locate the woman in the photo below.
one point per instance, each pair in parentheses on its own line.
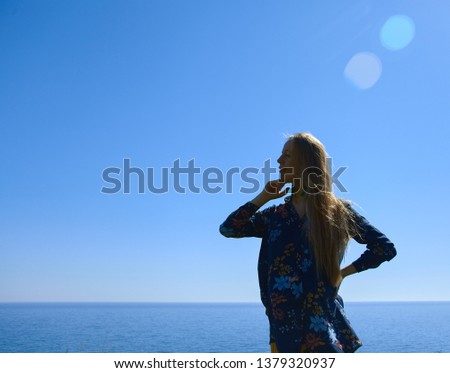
(303,244)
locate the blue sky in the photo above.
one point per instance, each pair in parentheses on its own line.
(87,84)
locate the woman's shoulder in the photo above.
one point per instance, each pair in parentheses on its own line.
(272,209)
(348,204)
(277,212)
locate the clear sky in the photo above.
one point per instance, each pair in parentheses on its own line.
(91,85)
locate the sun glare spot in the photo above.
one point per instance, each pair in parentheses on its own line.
(363,70)
(397,32)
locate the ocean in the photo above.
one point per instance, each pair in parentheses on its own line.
(204,327)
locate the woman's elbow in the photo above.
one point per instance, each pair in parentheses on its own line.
(226,231)
(391,252)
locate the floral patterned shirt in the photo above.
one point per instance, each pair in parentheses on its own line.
(304,311)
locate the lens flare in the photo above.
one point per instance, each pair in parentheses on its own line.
(397,32)
(363,70)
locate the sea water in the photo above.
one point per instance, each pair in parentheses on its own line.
(203,327)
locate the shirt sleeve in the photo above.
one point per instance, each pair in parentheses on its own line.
(244,222)
(379,248)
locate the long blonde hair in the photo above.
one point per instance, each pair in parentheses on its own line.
(331,224)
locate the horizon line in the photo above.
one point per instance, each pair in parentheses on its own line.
(207,302)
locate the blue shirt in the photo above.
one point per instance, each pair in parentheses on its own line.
(304,311)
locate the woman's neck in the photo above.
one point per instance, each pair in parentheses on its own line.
(298,194)
(298,199)
(299,202)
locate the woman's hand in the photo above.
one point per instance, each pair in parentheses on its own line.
(272,190)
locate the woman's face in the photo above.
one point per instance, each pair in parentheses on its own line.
(287,162)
